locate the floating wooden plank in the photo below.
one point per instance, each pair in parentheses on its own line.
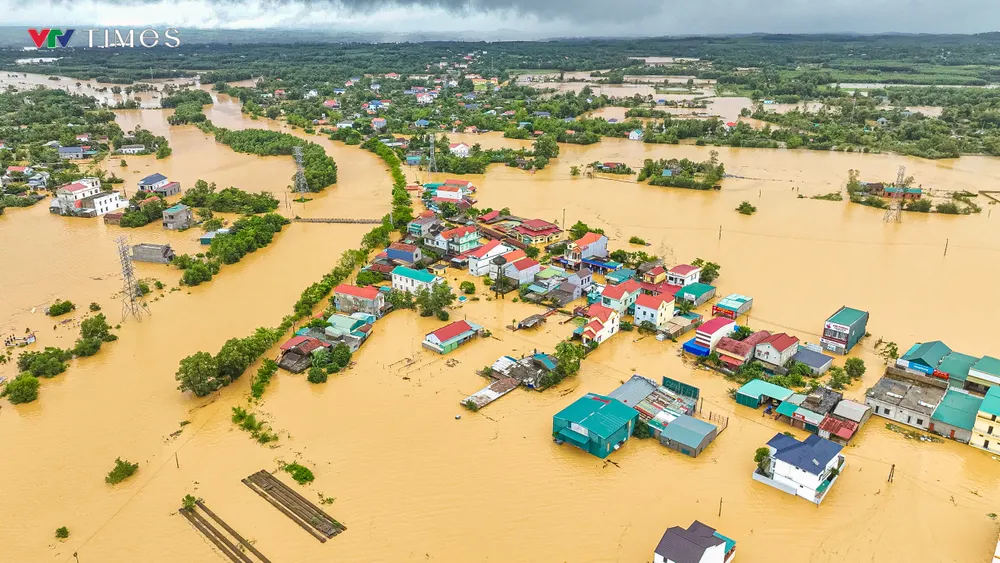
(307,515)
(220,539)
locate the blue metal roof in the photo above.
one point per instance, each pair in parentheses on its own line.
(811,359)
(811,455)
(153,178)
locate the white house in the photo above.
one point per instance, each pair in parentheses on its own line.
(522,270)
(106,202)
(410,280)
(621,297)
(152,182)
(84,187)
(589,245)
(452,193)
(635,135)
(132,149)
(803,468)
(510,257)
(425,98)
(777,349)
(602,324)
(460,150)
(711,332)
(656,309)
(479,258)
(698,543)
(683,275)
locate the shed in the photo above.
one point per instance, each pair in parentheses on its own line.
(837,430)
(451,336)
(688,435)
(818,363)
(620,275)
(596,424)
(806,419)
(852,411)
(955,415)
(755,392)
(925,357)
(788,407)
(696,293)
(732,306)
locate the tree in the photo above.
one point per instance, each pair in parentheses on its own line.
(838,378)
(746,208)
(233,359)
(568,357)
(683,306)
(467,287)
(198,373)
(368,277)
(709,270)
(22,389)
(94,306)
(400,299)
(189,502)
(855,367)
(87,347)
(642,431)
(60,308)
(531,252)
(574,170)
(449,209)
(920,205)
(760,457)
(434,300)
(97,327)
(317,375)
(340,355)
(546,147)
(742,332)
(636,240)
(50,362)
(580,228)
(122,470)
(62,533)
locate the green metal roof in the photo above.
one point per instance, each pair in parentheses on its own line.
(928,353)
(757,388)
(958,409)
(957,365)
(697,289)
(550,272)
(988,365)
(688,430)
(419,275)
(787,408)
(991,403)
(343,322)
(575,438)
(600,415)
(729,542)
(846,316)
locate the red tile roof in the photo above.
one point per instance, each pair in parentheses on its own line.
(682,269)
(587,239)
(305,344)
(522,265)
(656,271)
(613,292)
(600,312)
(841,428)
(74,187)
(757,337)
(452,330)
(368,292)
(16,168)
(733,346)
(593,328)
(781,341)
(489,216)
(650,301)
(459,232)
(482,250)
(514,255)
(402,246)
(447,188)
(456,145)
(714,325)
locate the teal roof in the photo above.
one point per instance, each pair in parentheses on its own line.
(620,275)
(550,272)
(988,364)
(696,289)
(928,353)
(958,409)
(730,543)
(548,361)
(175,208)
(600,415)
(419,275)
(846,316)
(991,403)
(957,365)
(344,322)
(787,408)
(688,430)
(575,438)
(757,388)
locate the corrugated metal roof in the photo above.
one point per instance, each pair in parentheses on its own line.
(846,316)
(957,365)
(991,403)
(688,430)
(988,364)
(757,388)
(851,410)
(600,415)
(958,409)
(929,353)
(633,391)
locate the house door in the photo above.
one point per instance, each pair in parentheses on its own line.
(986,444)
(952,434)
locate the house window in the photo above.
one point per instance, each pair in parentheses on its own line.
(993,418)
(920,422)
(886,411)
(908,419)
(989,430)
(986,444)
(876,409)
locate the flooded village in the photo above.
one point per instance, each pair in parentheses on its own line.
(620,368)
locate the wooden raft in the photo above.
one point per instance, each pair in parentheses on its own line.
(307,515)
(225,543)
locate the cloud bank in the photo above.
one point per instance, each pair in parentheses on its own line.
(521,19)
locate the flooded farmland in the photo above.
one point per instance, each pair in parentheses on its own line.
(411,482)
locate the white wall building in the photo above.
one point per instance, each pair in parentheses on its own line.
(410,280)
(656,309)
(479,259)
(777,349)
(801,468)
(460,150)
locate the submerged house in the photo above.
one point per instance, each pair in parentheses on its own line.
(844,329)
(451,336)
(985,430)
(656,310)
(905,401)
(159,184)
(732,306)
(411,281)
(590,245)
(297,351)
(602,324)
(352,299)
(695,293)
(683,275)
(596,424)
(177,217)
(955,415)
(807,469)
(698,543)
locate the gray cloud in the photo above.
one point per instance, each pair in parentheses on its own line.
(496,19)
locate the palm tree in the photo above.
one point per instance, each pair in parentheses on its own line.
(683,306)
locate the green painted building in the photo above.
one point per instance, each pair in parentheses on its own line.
(955,415)
(596,424)
(757,392)
(957,366)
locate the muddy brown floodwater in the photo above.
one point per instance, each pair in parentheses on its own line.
(411,482)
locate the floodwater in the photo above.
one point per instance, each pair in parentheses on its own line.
(100,90)
(412,482)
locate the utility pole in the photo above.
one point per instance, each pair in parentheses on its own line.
(564,219)
(720,507)
(892,472)
(945,247)
(720,232)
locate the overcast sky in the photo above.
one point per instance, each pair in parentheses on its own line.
(524,18)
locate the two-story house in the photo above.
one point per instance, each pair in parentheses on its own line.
(621,297)
(537,231)
(159,184)
(986,430)
(177,217)
(480,258)
(657,310)
(590,245)
(352,299)
(602,324)
(410,280)
(777,349)
(70,198)
(843,330)
(457,240)
(461,150)
(683,274)
(807,469)
(402,252)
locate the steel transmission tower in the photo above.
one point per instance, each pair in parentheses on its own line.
(895,211)
(431,162)
(300,175)
(131,304)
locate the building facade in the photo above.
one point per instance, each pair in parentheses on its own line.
(410,281)
(843,330)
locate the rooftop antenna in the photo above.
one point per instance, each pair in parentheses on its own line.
(895,211)
(300,175)
(131,304)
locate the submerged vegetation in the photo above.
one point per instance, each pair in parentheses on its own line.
(122,470)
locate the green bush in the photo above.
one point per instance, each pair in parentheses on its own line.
(60,308)
(22,389)
(95,307)
(62,533)
(467,287)
(316,375)
(123,470)
(300,473)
